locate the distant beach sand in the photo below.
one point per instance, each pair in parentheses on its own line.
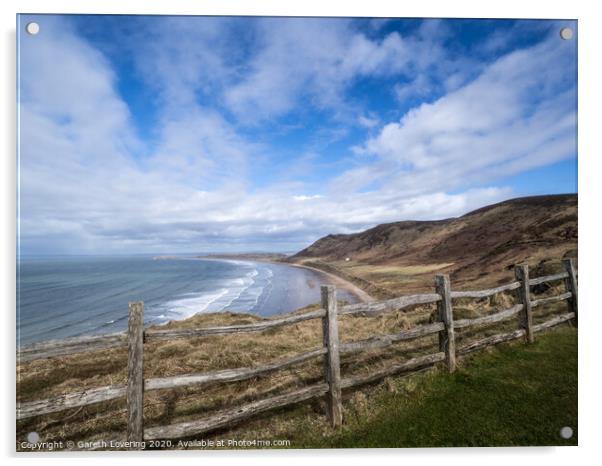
(333,279)
(355,290)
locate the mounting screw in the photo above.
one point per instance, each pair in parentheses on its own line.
(566,33)
(32,28)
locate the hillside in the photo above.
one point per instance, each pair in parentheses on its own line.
(544,228)
(479,244)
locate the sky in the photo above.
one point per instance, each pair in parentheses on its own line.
(158,134)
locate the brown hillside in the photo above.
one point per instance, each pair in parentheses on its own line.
(481,243)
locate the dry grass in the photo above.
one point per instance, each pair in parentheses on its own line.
(393,276)
(401,278)
(53,377)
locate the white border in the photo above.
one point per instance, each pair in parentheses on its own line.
(590,80)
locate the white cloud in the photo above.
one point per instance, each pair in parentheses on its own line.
(518,114)
(367,121)
(303,197)
(89,184)
(81,185)
(312,59)
(178,57)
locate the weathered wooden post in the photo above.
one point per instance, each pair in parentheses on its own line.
(332,363)
(135,387)
(521,272)
(447,338)
(571,284)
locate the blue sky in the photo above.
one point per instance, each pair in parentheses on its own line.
(201,134)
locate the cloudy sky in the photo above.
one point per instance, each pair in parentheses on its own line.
(194,134)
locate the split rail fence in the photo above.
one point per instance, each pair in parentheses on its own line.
(332,348)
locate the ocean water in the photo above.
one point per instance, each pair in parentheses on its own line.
(63,297)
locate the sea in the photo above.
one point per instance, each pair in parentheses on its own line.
(61,297)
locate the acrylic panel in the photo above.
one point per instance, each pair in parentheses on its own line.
(274,232)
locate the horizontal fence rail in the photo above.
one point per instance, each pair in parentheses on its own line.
(490,319)
(234,415)
(112,392)
(394,304)
(548,278)
(414,363)
(554,321)
(503,337)
(71,400)
(230,375)
(387,340)
(258,327)
(485,293)
(330,352)
(51,349)
(551,299)
(492,340)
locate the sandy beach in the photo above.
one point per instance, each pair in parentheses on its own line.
(339,282)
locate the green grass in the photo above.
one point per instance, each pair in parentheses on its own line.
(514,395)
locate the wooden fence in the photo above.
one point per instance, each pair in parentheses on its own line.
(330,351)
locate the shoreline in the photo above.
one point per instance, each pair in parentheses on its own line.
(359,293)
(352,288)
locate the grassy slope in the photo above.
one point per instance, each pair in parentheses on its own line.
(48,378)
(500,405)
(513,395)
(476,249)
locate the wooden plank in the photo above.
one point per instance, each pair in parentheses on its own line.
(29,409)
(571,285)
(447,340)
(389,305)
(414,363)
(485,293)
(54,348)
(490,319)
(258,327)
(502,337)
(383,341)
(550,299)
(229,375)
(524,297)
(232,416)
(492,340)
(332,363)
(97,395)
(135,385)
(554,321)
(101,394)
(547,278)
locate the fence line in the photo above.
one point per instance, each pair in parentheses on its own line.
(54,348)
(333,383)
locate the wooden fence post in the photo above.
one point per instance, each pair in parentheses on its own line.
(332,364)
(135,386)
(521,272)
(571,285)
(447,338)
